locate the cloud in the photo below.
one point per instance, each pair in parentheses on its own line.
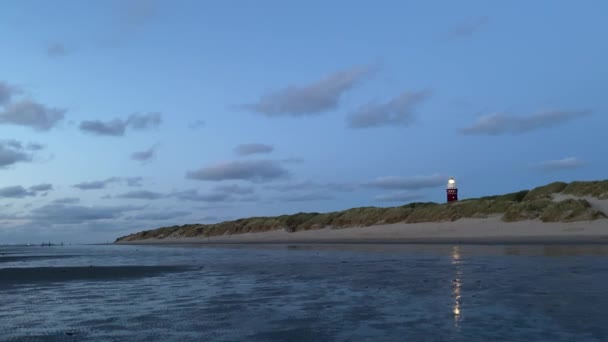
(560,164)
(114,127)
(397,112)
(315,98)
(196,124)
(31,114)
(292,160)
(341,187)
(6,92)
(144,121)
(16,191)
(138,12)
(34,147)
(133,181)
(250,198)
(12,152)
(118,127)
(497,124)
(251,170)
(407,183)
(195,196)
(66,200)
(145,155)
(161,215)
(41,187)
(141,194)
(248,149)
(309,185)
(75,214)
(102,184)
(234,189)
(469,28)
(401,196)
(56,50)
(130,17)
(95,185)
(306,197)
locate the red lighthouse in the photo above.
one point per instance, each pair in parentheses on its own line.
(452,190)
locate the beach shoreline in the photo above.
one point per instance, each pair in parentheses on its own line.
(464,231)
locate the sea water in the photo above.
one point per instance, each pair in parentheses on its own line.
(304,293)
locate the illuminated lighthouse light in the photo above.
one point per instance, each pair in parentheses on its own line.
(452,190)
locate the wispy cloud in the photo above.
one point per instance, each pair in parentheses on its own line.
(468,28)
(141,194)
(197,124)
(18,191)
(306,197)
(194,196)
(407,183)
(118,127)
(308,185)
(315,98)
(161,215)
(7,91)
(250,170)
(292,160)
(56,50)
(400,196)
(560,164)
(102,184)
(114,127)
(497,124)
(95,185)
(145,155)
(133,181)
(145,121)
(66,200)
(399,111)
(234,189)
(34,147)
(253,148)
(41,187)
(138,12)
(74,214)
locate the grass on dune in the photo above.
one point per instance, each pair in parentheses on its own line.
(532,204)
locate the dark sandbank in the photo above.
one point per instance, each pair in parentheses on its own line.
(33,257)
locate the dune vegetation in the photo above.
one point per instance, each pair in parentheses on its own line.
(535,204)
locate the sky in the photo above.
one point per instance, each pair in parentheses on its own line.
(120,116)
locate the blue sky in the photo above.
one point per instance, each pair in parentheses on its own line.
(119,116)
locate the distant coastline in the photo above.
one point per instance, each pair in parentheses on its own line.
(554,213)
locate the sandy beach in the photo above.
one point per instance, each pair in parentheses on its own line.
(486,230)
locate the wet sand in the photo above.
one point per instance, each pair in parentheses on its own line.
(464,231)
(25,258)
(311,293)
(43,275)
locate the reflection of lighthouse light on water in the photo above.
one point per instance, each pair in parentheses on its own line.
(456,285)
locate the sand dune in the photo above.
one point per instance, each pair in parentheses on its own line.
(562,212)
(487,230)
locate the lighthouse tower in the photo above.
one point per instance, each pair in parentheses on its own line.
(452,190)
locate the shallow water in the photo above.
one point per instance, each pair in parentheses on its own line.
(304,293)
